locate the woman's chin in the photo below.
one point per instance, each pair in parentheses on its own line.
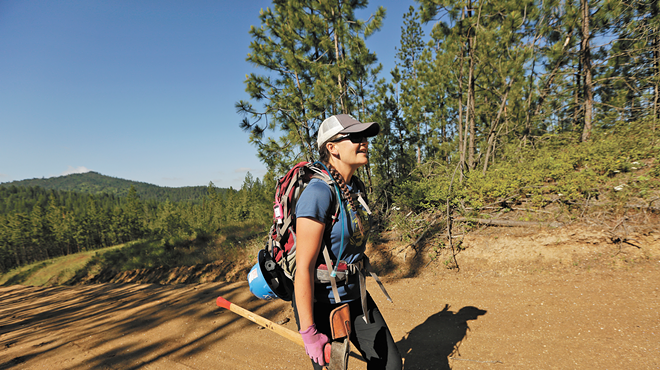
(362,159)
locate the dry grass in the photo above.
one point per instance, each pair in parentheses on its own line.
(52,272)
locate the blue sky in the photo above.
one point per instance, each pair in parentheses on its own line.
(139,90)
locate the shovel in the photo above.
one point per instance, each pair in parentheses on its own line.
(335,352)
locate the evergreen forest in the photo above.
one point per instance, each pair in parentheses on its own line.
(37,223)
(503,104)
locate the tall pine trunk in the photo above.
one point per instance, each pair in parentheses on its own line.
(470,102)
(339,84)
(461,144)
(656,64)
(492,135)
(586,65)
(576,97)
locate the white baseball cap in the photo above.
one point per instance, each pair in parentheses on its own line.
(344,124)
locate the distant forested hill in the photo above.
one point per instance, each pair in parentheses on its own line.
(44,218)
(96,183)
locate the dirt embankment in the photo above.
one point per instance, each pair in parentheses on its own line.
(218,271)
(566,298)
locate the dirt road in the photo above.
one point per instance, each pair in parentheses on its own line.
(488,316)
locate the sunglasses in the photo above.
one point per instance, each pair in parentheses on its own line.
(354,138)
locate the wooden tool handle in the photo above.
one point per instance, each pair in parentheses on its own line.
(279,329)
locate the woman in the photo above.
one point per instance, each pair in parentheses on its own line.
(343,149)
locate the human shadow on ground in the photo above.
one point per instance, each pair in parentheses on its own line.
(429,345)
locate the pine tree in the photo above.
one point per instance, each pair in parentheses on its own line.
(41,234)
(391,159)
(317,65)
(630,73)
(135,215)
(409,55)
(6,256)
(586,63)
(475,75)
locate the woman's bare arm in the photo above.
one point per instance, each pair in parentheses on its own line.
(309,234)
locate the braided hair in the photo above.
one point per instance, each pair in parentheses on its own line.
(325,159)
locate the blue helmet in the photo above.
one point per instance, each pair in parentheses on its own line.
(258,283)
(267,280)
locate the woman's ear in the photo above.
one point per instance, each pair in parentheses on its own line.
(332,149)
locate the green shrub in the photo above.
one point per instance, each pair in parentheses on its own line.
(555,167)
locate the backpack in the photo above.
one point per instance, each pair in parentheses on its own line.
(278,258)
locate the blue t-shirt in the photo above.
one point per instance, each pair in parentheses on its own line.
(316,202)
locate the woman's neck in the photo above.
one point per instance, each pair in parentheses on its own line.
(346,171)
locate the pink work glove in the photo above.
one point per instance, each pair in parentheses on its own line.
(314,344)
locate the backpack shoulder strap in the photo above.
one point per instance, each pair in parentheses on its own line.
(361,193)
(321,174)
